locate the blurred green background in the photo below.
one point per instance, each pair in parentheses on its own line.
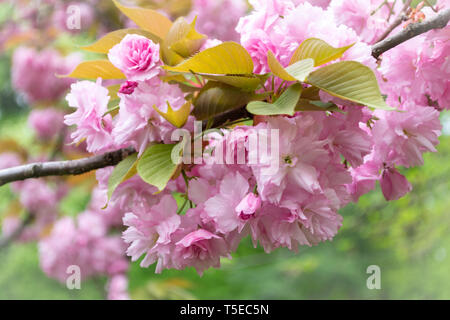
(408,239)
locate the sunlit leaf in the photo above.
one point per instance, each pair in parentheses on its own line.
(318,50)
(178,78)
(301,69)
(350,80)
(168,56)
(285,104)
(183,39)
(176,117)
(156,166)
(96,69)
(295,72)
(277,69)
(147,19)
(122,172)
(104,44)
(228,58)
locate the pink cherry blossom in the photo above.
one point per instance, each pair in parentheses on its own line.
(90,100)
(138,123)
(394,185)
(248,206)
(364,178)
(137,57)
(222,207)
(9,159)
(46,123)
(118,288)
(300,159)
(149,231)
(200,249)
(318,3)
(37,196)
(83,243)
(402,137)
(34,73)
(369,19)
(212,22)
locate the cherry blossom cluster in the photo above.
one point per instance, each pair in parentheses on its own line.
(326,159)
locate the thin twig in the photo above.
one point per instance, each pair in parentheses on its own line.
(413,30)
(401,17)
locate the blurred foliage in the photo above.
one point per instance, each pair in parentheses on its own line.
(409,239)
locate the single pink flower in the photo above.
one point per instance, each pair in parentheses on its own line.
(221,208)
(137,57)
(200,249)
(90,100)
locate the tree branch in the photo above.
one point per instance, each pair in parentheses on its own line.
(76,167)
(438,22)
(62,168)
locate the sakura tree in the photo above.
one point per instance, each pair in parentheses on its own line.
(216,126)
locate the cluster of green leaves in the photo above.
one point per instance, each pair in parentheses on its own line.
(221,79)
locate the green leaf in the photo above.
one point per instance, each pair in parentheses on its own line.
(310,105)
(183,39)
(285,104)
(228,58)
(147,19)
(104,44)
(170,57)
(217,98)
(318,50)
(113,91)
(277,69)
(122,172)
(350,80)
(311,93)
(96,69)
(156,166)
(298,71)
(301,69)
(246,83)
(176,117)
